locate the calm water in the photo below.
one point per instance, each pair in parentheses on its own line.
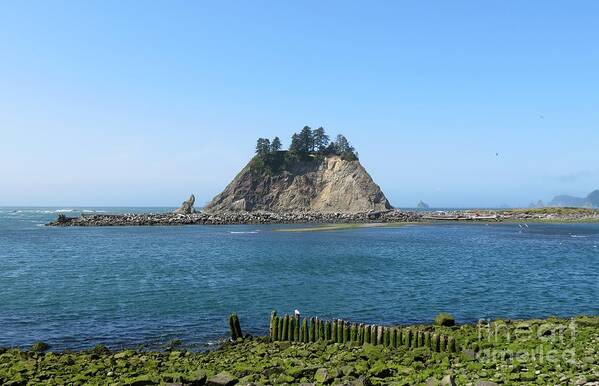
(126,286)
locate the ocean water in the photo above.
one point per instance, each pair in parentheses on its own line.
(131,286)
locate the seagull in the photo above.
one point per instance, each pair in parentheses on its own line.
(297,313)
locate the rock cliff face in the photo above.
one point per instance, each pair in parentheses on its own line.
(325,185)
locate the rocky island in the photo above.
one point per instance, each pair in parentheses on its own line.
(315,181)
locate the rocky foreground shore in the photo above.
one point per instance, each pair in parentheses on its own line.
(386,216)
(534,352)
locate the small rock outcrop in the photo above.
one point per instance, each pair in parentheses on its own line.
(187,206)
(422,205)
(328,184)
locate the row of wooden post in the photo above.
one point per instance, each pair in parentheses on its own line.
(295,329)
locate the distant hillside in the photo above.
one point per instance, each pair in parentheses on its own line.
(590,201)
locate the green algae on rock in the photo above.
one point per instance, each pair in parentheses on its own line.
(550,351)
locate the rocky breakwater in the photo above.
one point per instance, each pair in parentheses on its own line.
(223,218)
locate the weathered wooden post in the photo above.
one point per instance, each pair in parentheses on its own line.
(327,330)
(235,327)
(340,332)
(399,337)
(334,330)
(292,329)
(427,339)
(380,335)
(409,337)
(346,332)
(451,344)
(273,314)
(393,338)
(373,331)
(366,334)
(296,330)
(285,328)
(281,319)
(436,343)
(386,337)
(306,331)
(361,333)
(443,343)
(275,328)
(311,330)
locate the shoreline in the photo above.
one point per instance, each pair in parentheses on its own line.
(553,350)
(396,216)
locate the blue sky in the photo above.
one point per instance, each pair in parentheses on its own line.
(142,103)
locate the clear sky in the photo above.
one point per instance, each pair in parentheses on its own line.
(142,103)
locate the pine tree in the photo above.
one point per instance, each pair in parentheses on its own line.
(306,140)
(321,140)
(262,147)
(275,145)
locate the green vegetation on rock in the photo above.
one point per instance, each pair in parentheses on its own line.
(543,352)
(444,319)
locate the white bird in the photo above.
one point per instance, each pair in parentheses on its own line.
(297,313)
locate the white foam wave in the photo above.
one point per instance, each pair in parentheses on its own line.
(579,236)
(64,210)
(243,232)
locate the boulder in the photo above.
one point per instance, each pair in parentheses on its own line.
(222,379)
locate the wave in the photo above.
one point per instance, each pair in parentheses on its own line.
(64,210)
(243,232)
(579,236)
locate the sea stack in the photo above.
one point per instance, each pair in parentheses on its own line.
(323,184)
(187,206)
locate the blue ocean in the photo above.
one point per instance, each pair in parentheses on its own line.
(145,286)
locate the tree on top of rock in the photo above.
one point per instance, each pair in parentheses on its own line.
(275,145)
(321,140)
(306,140)
(263,147)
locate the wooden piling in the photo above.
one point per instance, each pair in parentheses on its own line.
(361,333)
(296,330)
(235,327)
(291,333)
(387,337)
(334,331)
(443,343)
(280,334)
(379,335)
(393,338)
(340,332)
(275,328)
(285,328)
(271,326)
(451,346)
(436,343)
(306,336)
